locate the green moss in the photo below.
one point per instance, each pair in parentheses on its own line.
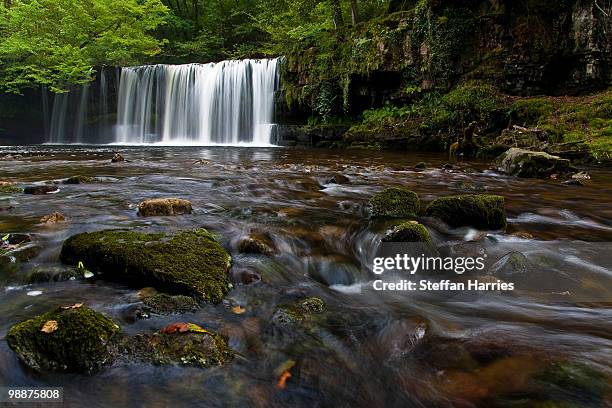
(408,232)
(312,305)
(394,202)
(574,382)
(165,304)
(10,189)
(190,262)
(479,210)
(193,349)
(81,343)
(80,180)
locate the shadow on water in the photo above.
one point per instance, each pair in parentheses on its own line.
(548,342)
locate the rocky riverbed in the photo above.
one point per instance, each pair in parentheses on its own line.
(246,280)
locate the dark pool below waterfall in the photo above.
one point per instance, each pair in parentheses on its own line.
(550,342)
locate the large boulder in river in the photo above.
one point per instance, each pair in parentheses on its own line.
(164,206)
(483,211)
(189,262)
(527,163)
(71,339)
(80,180)
(394,202)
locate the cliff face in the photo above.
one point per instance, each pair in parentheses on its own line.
(524,47)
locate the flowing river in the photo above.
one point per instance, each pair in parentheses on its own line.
(548,342)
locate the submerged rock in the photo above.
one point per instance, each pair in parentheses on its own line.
(337,179)
(40,190)
(164,206)
(8,187)
(511,265)
(257,244)
(117,158)
(80,180)
(52,218)
(164,304)
(189,262)
(72,339)
(17,248)
(394,202)
(482,211)
(527,163)
(188,345)
(411,231)
(53,274)
(420,166)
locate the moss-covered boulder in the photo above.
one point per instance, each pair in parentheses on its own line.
(164,206)
(188,262)
(411,231)
(53,218)
(481,211)
(80,180)
(527,163)
(181,344)
(394,202)
(117,158)
(71,339)
(164,304)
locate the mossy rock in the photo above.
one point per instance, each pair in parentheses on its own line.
(80,180)
(9,188)
(300,311)
(481,211)
(197,349)
(18,248)
(164,304)
(574,382)
(527,163)
(47,274)
(394,202)
(411,231)
(40,189)
(82,342)
(164,206)
(189,262)
(257,243)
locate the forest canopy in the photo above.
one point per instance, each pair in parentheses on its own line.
(57,43)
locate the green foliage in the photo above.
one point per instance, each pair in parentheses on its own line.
(57,42)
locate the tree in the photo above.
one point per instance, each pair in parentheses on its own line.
(57,43)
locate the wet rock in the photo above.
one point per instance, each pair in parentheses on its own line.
(52,274)
(449,354)
(297,312)
(192,347)
(8,187)
(574,382)
(80,180)
(164,304)
(527,163)
(481,211)
(17,248)
(582,175)
(411,231)
(312,305)
(573,182)
(40,189)
(257,243)
(420,166)
(511,265)
(188,262)
(81,342)
(338,179)
(164,206)
(394,202)
(52,218)
(117,158)
(523,235)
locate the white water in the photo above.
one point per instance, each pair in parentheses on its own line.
(227,103)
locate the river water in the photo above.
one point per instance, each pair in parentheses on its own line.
(548,342)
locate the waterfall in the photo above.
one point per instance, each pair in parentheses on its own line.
(229,102)
(57,128)
(81,114)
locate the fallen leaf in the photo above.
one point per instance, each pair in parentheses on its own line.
(75,306)
(238,309)
(282,381)
(180,327)
(49,327)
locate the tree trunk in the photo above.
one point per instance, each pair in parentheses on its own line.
(337,13)
(354,12)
